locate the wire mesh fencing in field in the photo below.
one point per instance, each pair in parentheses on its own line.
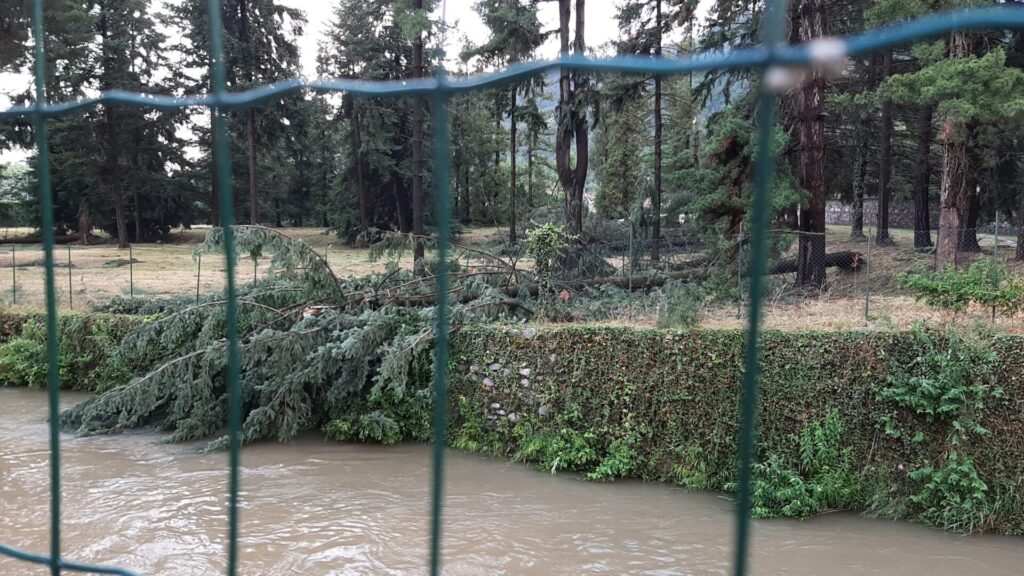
(758,252)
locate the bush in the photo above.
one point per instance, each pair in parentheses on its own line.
(820,478)
(985,283)
(23,363)
(88,345)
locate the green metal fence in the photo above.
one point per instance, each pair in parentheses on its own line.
(769,57)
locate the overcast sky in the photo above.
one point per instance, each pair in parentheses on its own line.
(462,22)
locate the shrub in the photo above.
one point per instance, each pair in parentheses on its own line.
(985,283)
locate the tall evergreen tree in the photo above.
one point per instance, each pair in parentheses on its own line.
(811,254)
(515,36)
(259,48)
(645,23)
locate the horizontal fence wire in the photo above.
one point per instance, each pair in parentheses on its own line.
(439,89)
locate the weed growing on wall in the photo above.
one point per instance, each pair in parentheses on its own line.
(820,479)
(949,383)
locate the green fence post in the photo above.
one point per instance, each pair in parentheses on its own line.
(222,168)
(867,275)
(71,297)
(739,275)
(442,172)
(14,277)
(995,261)
(199,273)
(772,30)
(52,345)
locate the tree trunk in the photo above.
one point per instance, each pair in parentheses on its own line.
(417,144)
(122,223)
(953,202)
(467,213)
(861,163)
(922,218)
(138,215)
(84,221)
(512,161)
(968,241)
(882,237)
(254,199)
(401,205)
(1020,214)
(811,255)
(574,127)
(656,225)
(954,195)
(531,146)
(563,140)
(860,175)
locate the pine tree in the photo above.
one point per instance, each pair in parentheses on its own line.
(645,24)
(515,36)
(969,92)
(260,48)
(621,141)
(137,143)
(385,139)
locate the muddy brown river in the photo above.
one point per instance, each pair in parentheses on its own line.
(315,508)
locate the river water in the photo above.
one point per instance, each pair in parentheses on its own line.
(313,507)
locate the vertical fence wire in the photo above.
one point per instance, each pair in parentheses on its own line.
(439,94)
(52,346)
(222,167)
(772,31)
(71,297)
(199,273)
(867,275)
(442,173)
(131,273)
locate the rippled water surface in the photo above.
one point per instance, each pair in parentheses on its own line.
(312,507)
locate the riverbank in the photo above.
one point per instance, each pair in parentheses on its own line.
(920,425)
(316,507)
(916,425)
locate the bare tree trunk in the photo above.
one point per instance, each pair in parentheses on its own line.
(656,225)
(467,213)
(402,205)
(512,160)
(811,257)
(860,175)
(364,214)
(254,199)
(574,126)
(922,218)
(530,151)
(417,144)
(861,163)
(969,233)
(882,237)
(953,203)
(84,221)
(138,215)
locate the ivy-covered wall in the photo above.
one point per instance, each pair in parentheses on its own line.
(917,425)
